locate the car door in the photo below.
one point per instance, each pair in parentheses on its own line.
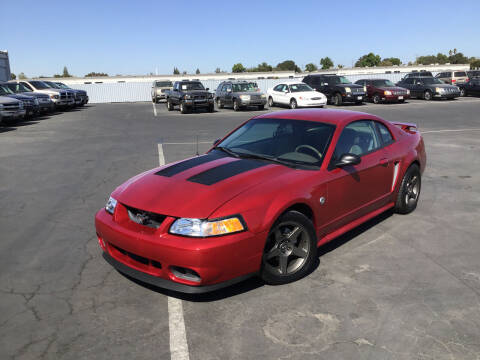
(475,87)
(354,191)
(278,94)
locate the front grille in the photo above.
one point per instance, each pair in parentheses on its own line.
(255,97)
(137,258)
(12,106)
(399,92)
(357,90)
(63,96)
(199,97)
(145,218)
(316,98)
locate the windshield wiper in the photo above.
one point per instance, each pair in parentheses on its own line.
(268,158)
(227,151)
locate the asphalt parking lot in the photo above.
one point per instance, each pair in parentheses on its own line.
(398,287)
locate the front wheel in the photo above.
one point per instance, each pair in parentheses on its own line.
(293,104)
(261,107)
(409,191)
(169,105)
(183,108)
(236,105)
(210,108)
(270,102)
(462,92)
(427,95)
(337,100)
(290,251)
(219,103)
(376,99)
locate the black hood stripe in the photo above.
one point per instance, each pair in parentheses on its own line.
(225,171)
(188,164)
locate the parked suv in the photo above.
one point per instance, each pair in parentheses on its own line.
(29,104)
(11,109)
(471,87)
(44,101)
(383,90)
(189,95)
(337,89)
(158,89)
(81,96)
(428,87)
(71,94)
(453,77)
(239,94)
(60,98)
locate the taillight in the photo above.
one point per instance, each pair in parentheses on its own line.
(453,80)
(467,80)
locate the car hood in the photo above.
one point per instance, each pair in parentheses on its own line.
(195,187)
(8,100)
(392,88)
(50,91)
(197,92)
(350,86)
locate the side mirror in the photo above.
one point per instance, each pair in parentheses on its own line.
(348,159)
(207,89)
(216,142)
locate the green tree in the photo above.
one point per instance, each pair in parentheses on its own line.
(197,71)
(311,67)
(217,70)
(65,72)
(457,58)
(238,68)
(326,63)
(392,61)
(22,76)
(176,71)
(288,65)
(95,74)
(340,66)
(368,60)
(426,60)
(442,58)
(474,63)
(264,67)
(13,76)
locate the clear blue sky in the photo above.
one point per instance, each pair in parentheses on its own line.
(138,37)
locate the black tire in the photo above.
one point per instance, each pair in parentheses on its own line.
(219,103)
(236,105)
(169,105)
(337,99)
(154,100)
(183,108)
(376,99)
(211,108)
(270,102)
(409,191)
(261,107)
(293,104)
(462,92)
(289,254)
(401,101)
(427,95)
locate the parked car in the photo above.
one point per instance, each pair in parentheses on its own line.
(338,89)
(261,200)
(473,74)
(239,94)
(29,104)
(71,93)
(429,88)
(44,101)
(471,87)
(158,89)
(81,97)
(383,90)
(417,74)
(295,94)
(189,95)
(11,109)
(453,77)
(60,98)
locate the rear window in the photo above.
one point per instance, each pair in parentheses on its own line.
(460,73)
(163,84)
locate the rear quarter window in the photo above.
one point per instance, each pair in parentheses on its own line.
(385,134)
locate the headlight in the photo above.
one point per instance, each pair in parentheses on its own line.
(263,96)
(387,92)
(439,90)
(364,88)
(111,205)
(347,89)
(206,228)
(187,96)
(245,97)
(52,96)
(35,101)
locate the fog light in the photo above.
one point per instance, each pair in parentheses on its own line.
(185,274)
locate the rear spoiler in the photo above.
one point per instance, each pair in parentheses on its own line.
(408,127)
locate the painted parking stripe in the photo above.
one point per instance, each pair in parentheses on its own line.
(154,109)
(448,130)
(176,322)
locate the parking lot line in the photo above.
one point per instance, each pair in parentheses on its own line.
(154,109)
(176,322)
(188,143)
(448,130)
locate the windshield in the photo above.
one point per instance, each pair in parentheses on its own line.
(163,84)
(4,90)
(39,85)
(341,80)
(300,87)
(293,141)
(61,86)
(15,87)
(245,87)
(52,85)
(192,86)
(432,81)
(380,83)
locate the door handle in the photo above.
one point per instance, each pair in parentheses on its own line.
(383,162)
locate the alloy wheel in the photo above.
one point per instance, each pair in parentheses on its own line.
(412,190)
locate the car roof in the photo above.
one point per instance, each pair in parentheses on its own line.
(290,82)
(329,116)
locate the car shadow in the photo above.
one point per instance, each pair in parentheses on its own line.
(4,128)
(255,282)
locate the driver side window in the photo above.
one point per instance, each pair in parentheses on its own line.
(359,138)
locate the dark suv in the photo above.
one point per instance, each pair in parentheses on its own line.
(471,87)
(338,89)
(383,90)
(428,87)
(239,94)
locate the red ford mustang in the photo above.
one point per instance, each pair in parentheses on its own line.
(261,200)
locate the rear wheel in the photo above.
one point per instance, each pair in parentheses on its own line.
(337,100)
(211,108)
(236,105)
(291,249)
(409,191)
(219,103)
(183,108)
(462,92)
(261,107)
(270,102)
(427,95)
(293,104)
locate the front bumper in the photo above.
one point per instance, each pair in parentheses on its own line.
(151,255)
(449,95)
(253,102)
(393,98)
(353,97)
(311,103)
(12,114)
